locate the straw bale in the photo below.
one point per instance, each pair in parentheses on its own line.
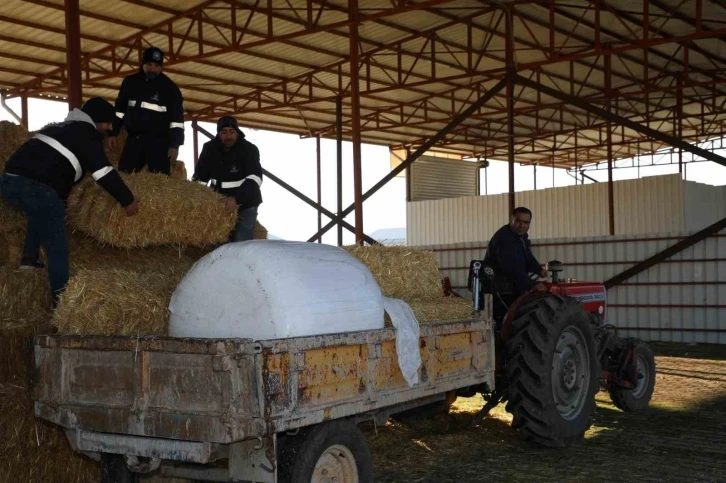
(114,155)
(118,302)
(12,234)
(441,309)
(178,170)
(260,232)
(34,451)
(24,294)
(12,136)
(16,355)
(171,211)
(401,272)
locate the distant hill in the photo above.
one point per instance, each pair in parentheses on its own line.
(390,236)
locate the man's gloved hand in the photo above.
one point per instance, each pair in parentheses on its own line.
(133,208)
(540,288)
(230,204)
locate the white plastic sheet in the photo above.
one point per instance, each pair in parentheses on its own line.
(273,290)
(407,338)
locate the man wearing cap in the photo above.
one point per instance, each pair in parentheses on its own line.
(232,165)
(41,173)
(150,105)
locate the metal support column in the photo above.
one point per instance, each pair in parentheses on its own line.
(24,111)
(679,121)
(534,166)
(335,219)
(339,161)
(320,191)
(609,142)
(509,51)
(195,137)
(408,177)
(355,120)
(496,89)
(73,53)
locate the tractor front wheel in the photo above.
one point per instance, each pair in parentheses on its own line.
(637,398)
(551,370)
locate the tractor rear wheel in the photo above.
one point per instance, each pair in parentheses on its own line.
(551,370)
(638,398)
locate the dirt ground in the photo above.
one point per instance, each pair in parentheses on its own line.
(682,437)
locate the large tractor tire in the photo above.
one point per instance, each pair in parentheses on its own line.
(638,398)
(551,370)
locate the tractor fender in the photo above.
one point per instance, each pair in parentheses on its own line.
(506,329)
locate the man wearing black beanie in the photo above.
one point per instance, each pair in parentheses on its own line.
(150,106)
(41,173)
(231,164)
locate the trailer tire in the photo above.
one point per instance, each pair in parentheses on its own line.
(114,470)
(326,450)
(551,370)
(633,400)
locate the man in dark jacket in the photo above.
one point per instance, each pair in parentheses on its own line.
(232,165)
(150,105)
(509,253)
(41,173)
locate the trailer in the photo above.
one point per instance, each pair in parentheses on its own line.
(167,409)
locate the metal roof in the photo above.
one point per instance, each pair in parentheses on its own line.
(279,64)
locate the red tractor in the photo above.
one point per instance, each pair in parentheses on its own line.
(554,351)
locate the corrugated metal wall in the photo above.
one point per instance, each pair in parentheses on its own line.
(669,302)
(704,205)
(655,204)
(436,178)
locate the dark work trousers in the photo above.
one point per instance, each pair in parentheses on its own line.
(244,229)
(145,150)
(46,215)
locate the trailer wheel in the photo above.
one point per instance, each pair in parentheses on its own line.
(638,398)
(330,452)
(551,371)
(114,470)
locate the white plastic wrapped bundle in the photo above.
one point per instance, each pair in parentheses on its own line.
(264,289)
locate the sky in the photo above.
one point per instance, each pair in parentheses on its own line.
(294,161)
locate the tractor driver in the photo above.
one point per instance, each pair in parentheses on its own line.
(509,254)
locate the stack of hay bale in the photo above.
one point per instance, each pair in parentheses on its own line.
(123,272)
(412,276)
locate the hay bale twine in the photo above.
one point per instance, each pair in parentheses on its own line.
(401,272)
(118,302)
(171,211)
(12,136)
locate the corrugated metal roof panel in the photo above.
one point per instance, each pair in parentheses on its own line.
(103,22)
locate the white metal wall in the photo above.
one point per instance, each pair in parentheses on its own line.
(704,205)
(655,204)
(668,302)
